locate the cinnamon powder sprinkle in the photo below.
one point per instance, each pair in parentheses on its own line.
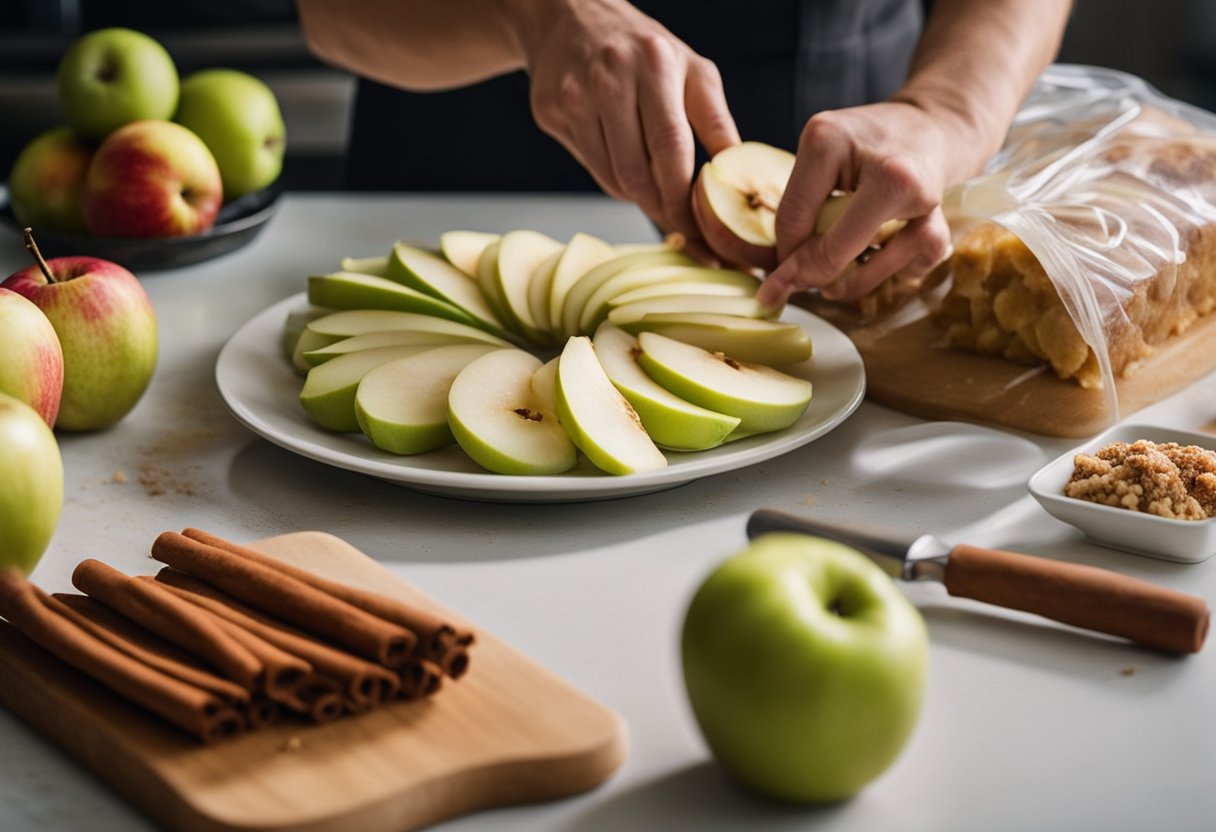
(1168,480)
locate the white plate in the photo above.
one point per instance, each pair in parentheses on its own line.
(261,389)
(1185,541)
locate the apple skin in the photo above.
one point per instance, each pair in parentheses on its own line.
(107,329)
(805,667)
(32,368)
(152,179)
(237,116)
(31,485)
(46,184)
(114,76)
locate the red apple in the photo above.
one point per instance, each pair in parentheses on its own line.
(31,367)
(152,179)
(47,181)
(106,328)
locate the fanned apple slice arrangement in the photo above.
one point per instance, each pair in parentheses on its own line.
(526,351)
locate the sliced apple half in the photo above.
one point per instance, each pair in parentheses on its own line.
(501,423)
(463,248)
(349,290)
(421,270)
(747,339)
(582,290)
(582,254)
(377,266)
(763,399)
(519,254)
(735,201)
(599,420)
(402,405)
(670,421)
(390,338)
(596,307)
(328,395)
(741,307)
(695,287)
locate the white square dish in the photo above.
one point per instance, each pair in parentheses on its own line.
(1184,541)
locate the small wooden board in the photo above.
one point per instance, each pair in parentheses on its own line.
(508,732)
(910,369)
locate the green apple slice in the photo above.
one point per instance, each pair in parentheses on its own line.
(544,382)
(582,290)
(349,290)
(389,338)
(296,322)
(487,282)
(597,305)
(501,423)
(519,255)
(599,420)
(582,254)
(432,275)
(349,322)
(328,395)
(463,248)
(402,405)
(695,287)
(538,291)
(746,339)
(671,421)
(741,307)
(375,266)
(764,399)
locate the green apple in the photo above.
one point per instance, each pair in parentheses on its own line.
(295,323)
(805,667)
(237,116)
(393,338)
(111,77)
(695,287)
(463,249)
(402,405)
(670,421)
(487,281)
(596,307)
(764,399)
(46,184)
(582,254)
(31,485)
(433,275)
(739,307)
(735,199)
(350,290)
(599,420)
(500,421)
(582,290)
(519,254)
(106,328)
(746,339)
(377,266)
(328,394)
(539,288)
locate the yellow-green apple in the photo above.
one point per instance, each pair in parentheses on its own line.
(463,249)
(402,405)
(742,307)
(746,339)
(394,338)
(374,265)
(572,303)
(500,421)
(31,360)
(539,287)
(596,307)
(598,419)
(544,381)
(328,394)
(237,116)
(667,289)
(114,76)
(31,485)
(106,327)
(670,421)
(351,290)
(518,256)
(762,398)
(735,199)
(582,254)
(805,667)
(46,183)
(151,179)
(421,270)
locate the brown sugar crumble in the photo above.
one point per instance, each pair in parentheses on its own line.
(1167,479)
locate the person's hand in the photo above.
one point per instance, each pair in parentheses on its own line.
(627,99)
(896,160)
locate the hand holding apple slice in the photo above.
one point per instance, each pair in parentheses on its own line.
(735,201)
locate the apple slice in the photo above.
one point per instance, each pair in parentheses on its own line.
(742,307)
(747,339)
(388,338)
(538,291)
(735,201)
(762,398)
(375,266)
(670,421)
(599,420)
(544,382)
(432,275)
(349,290)
(501,423)
(519,254)
(582,290)
(402,405)
(328,395)
(696,287)
(294,325)
(463,248)
(582,254)
(596,307)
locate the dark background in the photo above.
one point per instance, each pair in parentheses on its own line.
(1171,43)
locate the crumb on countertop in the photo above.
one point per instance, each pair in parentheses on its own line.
(1168,480)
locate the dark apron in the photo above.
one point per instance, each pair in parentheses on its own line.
(781,62)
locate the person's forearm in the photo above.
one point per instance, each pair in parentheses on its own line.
(422,44)
(977,61)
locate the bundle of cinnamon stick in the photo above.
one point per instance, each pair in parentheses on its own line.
(224,639)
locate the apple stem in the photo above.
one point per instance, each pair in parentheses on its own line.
(33,247)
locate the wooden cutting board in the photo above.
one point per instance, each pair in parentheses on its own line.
(508,732)
(911,370)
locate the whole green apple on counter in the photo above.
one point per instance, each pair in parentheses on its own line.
(31,367)
(805,667)
(46,184)
(237,116)
(114,76)
(31,485)
(106,327)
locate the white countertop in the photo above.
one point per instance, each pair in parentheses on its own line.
(1027,725)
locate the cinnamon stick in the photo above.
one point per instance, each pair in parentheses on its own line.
(191,708)
(364,683)
(420,678)
(438,640)
(260,712)
(285,597)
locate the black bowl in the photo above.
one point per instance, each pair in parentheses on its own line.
(237,223)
